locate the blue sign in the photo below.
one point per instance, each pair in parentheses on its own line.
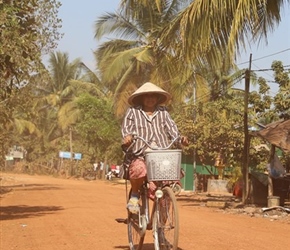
(64,155)
(77,156)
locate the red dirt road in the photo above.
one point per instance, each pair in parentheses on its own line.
(45,213)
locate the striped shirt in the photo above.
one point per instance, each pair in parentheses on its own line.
(158,128)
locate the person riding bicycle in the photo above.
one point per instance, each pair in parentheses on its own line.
(147,118)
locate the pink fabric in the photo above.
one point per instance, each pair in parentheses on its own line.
(138,170)
(152,189)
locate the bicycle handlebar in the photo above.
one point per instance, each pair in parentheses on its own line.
(136,137)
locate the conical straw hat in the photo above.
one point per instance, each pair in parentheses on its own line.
(148,88)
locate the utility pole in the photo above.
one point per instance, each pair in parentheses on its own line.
(71,150)
(246,134)
(194,150)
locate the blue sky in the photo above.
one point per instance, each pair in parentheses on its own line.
(78,18)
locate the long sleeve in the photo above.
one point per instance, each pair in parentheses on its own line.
(172,127)
(128,126)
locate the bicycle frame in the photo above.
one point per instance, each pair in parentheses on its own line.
(161,219)
(145,220)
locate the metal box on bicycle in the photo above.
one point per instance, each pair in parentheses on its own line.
(163,165)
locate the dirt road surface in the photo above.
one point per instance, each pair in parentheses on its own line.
(46,213)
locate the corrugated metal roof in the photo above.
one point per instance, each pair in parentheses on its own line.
(278,134)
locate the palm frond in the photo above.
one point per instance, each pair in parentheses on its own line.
(116,25)
(81,87)
(22,125)
(118,63)
(68,115)
(90,76)
(225,25)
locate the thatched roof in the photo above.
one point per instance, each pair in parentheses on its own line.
(278,134)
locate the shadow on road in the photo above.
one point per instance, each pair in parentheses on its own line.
(20,212)
(26,187)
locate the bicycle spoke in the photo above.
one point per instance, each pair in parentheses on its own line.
(166,223)
(135,240)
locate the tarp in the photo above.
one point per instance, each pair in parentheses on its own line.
(278,134)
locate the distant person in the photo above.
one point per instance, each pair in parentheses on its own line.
(95,167)
(101,169)
(109,175)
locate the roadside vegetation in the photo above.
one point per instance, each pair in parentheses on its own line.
(186,47)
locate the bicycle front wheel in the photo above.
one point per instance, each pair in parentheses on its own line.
(166,221)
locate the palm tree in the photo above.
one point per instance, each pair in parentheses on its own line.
(191,35)
(17,124)
(54,91)
(89,83)
(222,79)
(138,55)
(58,89)
(210,28)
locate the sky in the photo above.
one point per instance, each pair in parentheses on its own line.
(78,19)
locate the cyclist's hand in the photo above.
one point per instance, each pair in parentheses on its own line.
(184,141)
(127,140)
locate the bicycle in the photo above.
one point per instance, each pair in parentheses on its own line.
(176,186)
(163,166)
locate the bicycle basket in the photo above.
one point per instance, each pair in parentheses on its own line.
(163,165)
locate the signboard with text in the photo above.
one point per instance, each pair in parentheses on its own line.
(67,155)
(77,156)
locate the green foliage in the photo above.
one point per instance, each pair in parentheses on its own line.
(155,41)
(282,99)
(137,54)
(215,128)
(28,28)
(220,122)
(99,127)
(207,27)
(17,118)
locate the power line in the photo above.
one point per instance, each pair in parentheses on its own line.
(285,67)
(260,70)
(279,52)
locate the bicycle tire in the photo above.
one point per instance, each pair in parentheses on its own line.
(134,237)
(166,222)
